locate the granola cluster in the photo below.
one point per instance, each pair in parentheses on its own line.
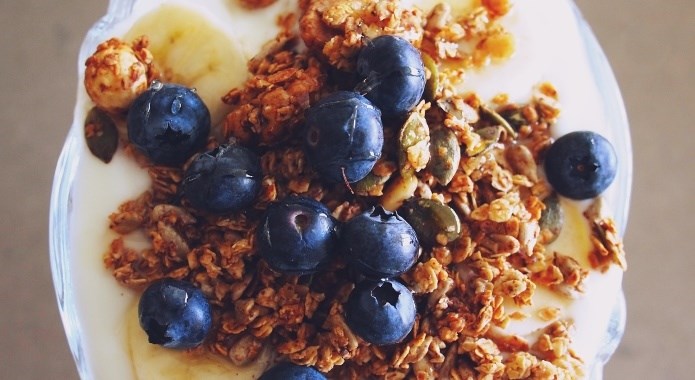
(468,273)
(272,102)
(118,72)
(337,29)
(471,40)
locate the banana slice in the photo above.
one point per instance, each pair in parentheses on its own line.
(151,361)
(189,50)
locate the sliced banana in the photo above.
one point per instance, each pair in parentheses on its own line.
(189,50)
(151,361)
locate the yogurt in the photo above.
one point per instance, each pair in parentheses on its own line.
(549,49)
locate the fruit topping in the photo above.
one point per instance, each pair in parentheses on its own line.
(344,137)
(174,314)
(291,371)
(297,235)
(380,312)
(379,243)
(580,165)
(117,73)
(168,123)
(393,74)
(223,180)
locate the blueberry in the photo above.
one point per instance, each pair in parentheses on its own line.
(379,243)
(168,123)
(174,314)
(297,235)
(380,312)
(225,179)
(393,74)
(344,137)
(291,371)
(580,165)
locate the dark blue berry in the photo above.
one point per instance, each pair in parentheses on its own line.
(580,165)
(174,314)
(393,74)
(168,123)
(379,243)
(344,137)
(380,312)
(291,371)
(225,179)
(297,235)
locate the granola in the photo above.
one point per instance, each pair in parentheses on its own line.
(498,254)
(118,72)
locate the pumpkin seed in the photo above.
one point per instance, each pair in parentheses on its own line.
(445,155)
(552,217)
(413,144)
(400,189)
(488,137)
(101,134)
(171,236)
(497,118)
(521,160)
(433,81)
(371,185)
(459,110)
(433,221)
(514,117)
(448,106)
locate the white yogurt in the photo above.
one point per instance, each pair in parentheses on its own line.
(549,48)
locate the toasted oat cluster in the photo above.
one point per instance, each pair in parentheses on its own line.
(475,164)
(272,102)
(336,30)
(117,73)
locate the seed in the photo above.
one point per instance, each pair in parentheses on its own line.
(399,190)
(432,221)
(413,144)
(371,185)
(552,218)
(521,160)
(445,155)
(498,119)
(433,81)
(489,136)
(101,134)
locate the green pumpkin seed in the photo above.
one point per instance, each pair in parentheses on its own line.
(371,185)
(488,137)
(497,118)
(514,117)
(433,82)
(413,145)
(552,217)
(445,155)
(101,134)
(433,221)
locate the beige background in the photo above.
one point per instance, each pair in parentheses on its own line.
(650,44)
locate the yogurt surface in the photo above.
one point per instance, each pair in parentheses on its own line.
(549,48)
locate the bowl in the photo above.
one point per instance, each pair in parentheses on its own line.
(62,228)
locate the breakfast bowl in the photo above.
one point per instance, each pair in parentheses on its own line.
(99,313)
